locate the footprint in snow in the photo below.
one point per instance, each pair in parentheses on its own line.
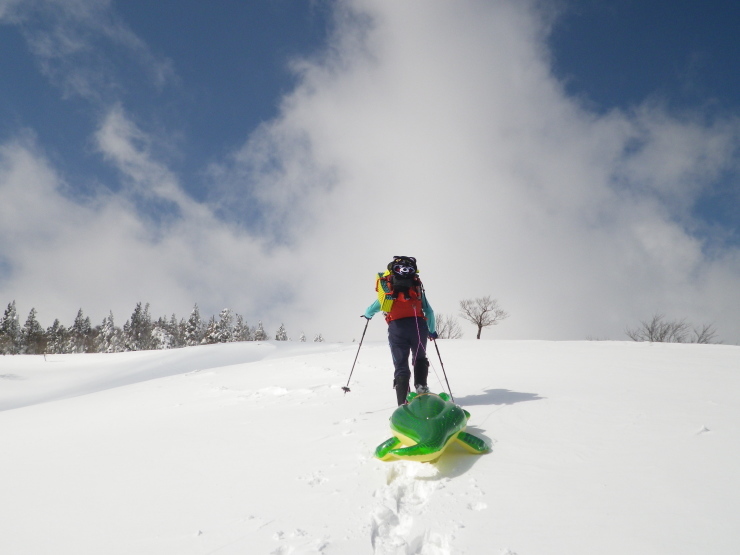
(315,479)
(298,541)
(409,487)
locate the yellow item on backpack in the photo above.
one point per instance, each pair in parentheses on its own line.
(383,287)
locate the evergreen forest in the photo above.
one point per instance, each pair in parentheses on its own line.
(139,333)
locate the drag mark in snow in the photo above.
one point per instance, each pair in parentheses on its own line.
(409,488)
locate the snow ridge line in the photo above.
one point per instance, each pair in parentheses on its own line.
(410,486)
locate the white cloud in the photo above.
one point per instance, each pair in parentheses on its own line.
(104,255)
(449,139)
(75,41)
(433,129)
(676,158)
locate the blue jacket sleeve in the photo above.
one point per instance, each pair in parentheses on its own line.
(429,313)
(373,309)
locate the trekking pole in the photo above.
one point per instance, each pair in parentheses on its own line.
(443,370)
(346,388)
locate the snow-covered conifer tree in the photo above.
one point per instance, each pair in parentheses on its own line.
(302,339)
(210,336)
(242,331)
(281,334)
(194,328)
(260,334)
(78,338)
(33,338)
(224,331)
(162,338)
(10,331)
(319,338)
(56,338)
(138,336)
(110,338)
(175,330)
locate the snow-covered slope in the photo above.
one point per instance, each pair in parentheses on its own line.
(598,447)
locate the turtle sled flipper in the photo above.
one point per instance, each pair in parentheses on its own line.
(382,450)
(472,443)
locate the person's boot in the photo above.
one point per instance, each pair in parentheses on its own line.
(402,391)
(421,371)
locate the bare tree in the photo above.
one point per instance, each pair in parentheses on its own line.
(659,330)
(706,334)
(482,312)
(448,327)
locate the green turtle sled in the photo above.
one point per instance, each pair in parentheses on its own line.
(425,426)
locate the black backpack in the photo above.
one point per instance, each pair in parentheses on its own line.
(402,275)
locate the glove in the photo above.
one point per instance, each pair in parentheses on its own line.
(433,335)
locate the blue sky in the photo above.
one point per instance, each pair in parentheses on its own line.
(226,66)
(227,153)
(619,53)
(684,54)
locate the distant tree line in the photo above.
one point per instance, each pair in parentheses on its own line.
(660,330)
(139,333)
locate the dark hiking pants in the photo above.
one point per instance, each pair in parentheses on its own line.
(408,336)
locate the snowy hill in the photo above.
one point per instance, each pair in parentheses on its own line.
(598,448)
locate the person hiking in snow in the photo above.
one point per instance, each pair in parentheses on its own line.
(410,323)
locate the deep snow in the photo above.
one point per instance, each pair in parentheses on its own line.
(598,448)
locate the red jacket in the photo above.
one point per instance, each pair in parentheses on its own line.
(404,307)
